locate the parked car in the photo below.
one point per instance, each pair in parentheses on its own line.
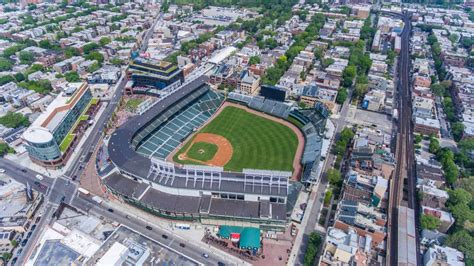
(164,236)
(40,177)
(182,245)
(110,210)
(2,170)
(205,255)
(148,227)
(23,243)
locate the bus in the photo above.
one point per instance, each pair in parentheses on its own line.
(183,226)
(83,191)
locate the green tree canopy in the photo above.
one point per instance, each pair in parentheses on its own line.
(462,241)
(334,176)
(254,60)
(72,76)
(5,64)
(14,120)
(26,57)
(459,196)
(429,222)
(104,41)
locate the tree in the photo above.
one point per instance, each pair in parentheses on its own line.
(93,68)
(14,243)
(5,64)
(90,47)
(70,52)
(327,62)
(7,256)
(318,53)
(6,79)
(104,41)
(117,61)
(312,249)
(453,37)
(434,145)
(341,95)
(418,138)
(348,75)
(459,196)
(346,134)
(327,197)
(27,57)
(40,86)
(45,44)
(72,76)
(461,213)
(462,241)
(254,60)
(457,129)
(12,50)
(361,89)
(334,176)
(19,77)
(429,222)
(14,120)
(438,89)
(95,56)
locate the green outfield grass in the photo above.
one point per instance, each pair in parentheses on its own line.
(258,143)
(202,151)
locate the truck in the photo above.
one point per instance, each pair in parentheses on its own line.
(97,199)
(83,191)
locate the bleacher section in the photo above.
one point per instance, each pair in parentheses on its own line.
(314,122)
(170,129)
(259,103)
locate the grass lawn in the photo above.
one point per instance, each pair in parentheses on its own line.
(258,143)
(132,104)
(202,151)
(94,101)
(66,142)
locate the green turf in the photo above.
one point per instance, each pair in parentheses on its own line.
(258,143)
(202,151)
(66,142)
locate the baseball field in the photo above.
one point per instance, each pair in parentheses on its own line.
(237,138)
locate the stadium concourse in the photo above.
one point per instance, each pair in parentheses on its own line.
(208,194)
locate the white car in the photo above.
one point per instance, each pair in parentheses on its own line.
(2,170)
(40,177)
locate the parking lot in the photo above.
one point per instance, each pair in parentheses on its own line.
(369,118)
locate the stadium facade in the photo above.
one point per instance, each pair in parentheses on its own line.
(139,149)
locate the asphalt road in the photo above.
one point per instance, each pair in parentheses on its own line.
(25,175)
(170,241)
(149,33)
(340,123)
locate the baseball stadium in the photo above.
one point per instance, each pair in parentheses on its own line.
(199,155)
